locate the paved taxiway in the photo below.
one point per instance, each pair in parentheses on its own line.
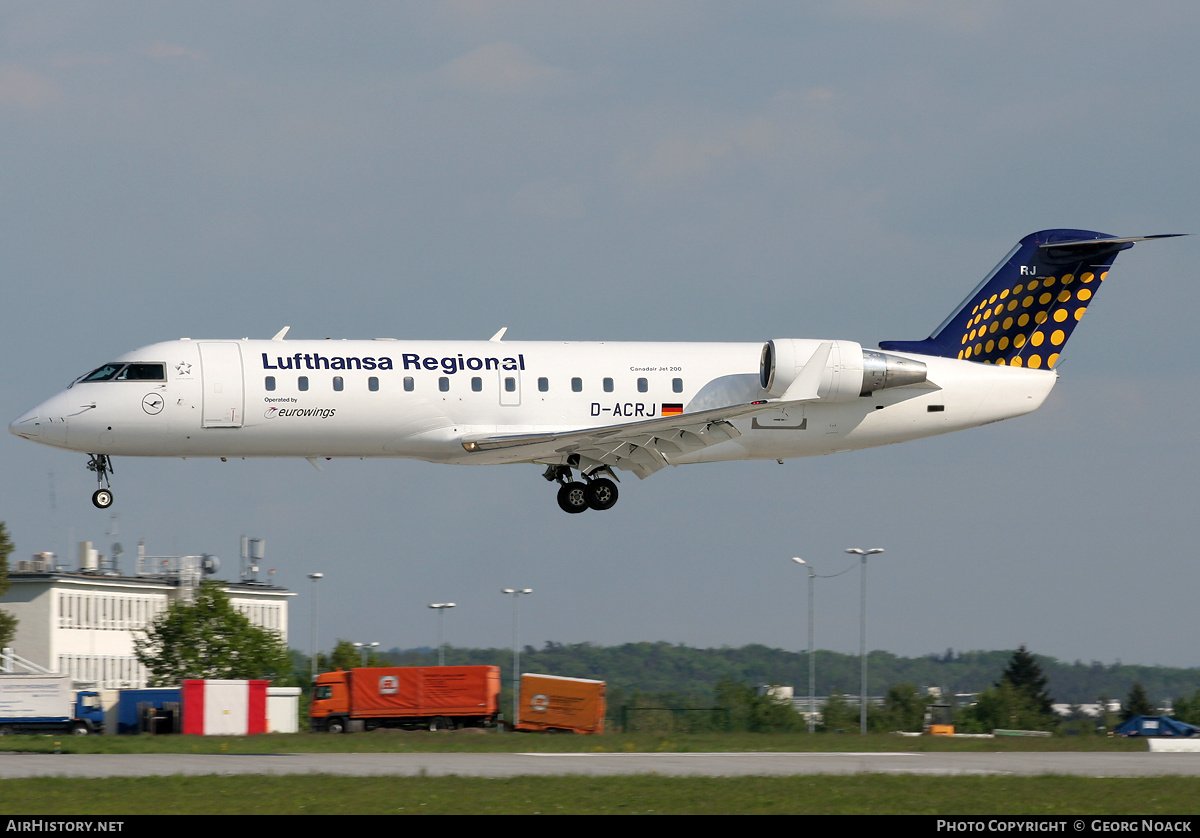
(599,765)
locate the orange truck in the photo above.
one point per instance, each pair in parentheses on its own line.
(409,697)
(556,704)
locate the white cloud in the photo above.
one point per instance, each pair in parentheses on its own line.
(161,49)
(23,88)
(947,15)
(500,69)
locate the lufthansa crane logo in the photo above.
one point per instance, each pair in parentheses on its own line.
(153,403)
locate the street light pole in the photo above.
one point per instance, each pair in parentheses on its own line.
(862,635)
(315,577)
(516,595)
(441,607)
(364,648)
(812,664)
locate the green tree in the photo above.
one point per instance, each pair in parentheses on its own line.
(1138,704)
(343,656)
(1007,707)
(1024,674)
(748,710)
(209,638)
(8,623)
(1187,709)
(838,714)
(903,709)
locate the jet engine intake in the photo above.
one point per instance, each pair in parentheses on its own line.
(850,371)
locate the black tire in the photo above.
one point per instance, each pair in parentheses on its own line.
(335,726)
(572,497)
(440,723)
(80,730)
(102,499)
(601,493)
(6,730)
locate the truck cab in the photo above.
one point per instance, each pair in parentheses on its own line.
(89,714)
(329,709)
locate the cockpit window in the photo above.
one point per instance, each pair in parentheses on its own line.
(126,372)
(142,372)
(105,373)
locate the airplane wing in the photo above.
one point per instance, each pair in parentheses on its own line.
(641,447)
(645,447)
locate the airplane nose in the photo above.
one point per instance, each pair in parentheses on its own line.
(40,425)
(28,426)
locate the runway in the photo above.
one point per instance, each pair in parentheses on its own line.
(16,765)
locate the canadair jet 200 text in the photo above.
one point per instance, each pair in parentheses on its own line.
(588,409)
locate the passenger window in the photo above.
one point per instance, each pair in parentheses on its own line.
(270,383)
(408,384)
(576,385)
(643,385)
(302,383)
(677,385)
(543,385)
(477,384)
(510,385)
(444,384)
(373,384)
(608,385)
(338,384)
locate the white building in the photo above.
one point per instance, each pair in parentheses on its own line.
(82,622)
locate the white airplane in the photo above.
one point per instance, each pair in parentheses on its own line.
(587,407)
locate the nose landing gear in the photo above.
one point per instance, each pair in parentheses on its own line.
(102,498)
(575,496)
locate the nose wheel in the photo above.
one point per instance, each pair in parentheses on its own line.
(102,498)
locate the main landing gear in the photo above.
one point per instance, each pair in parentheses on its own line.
(593,492)
(102,498)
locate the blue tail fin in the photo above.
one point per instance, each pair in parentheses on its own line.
(1026,308)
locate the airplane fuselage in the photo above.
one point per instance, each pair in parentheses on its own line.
(423,399)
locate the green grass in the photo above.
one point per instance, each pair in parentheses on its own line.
(858,794)
(491,742)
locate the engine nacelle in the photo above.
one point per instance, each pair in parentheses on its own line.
(850,371)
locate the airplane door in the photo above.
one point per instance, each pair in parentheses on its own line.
(224,392)
(510,388)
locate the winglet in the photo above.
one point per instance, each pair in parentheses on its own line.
(499,336)
(808,382)
(279,335)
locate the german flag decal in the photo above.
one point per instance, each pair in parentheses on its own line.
(672,409)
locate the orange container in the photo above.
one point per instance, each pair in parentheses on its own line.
(552,702)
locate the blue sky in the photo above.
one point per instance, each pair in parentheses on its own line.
(641,171)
